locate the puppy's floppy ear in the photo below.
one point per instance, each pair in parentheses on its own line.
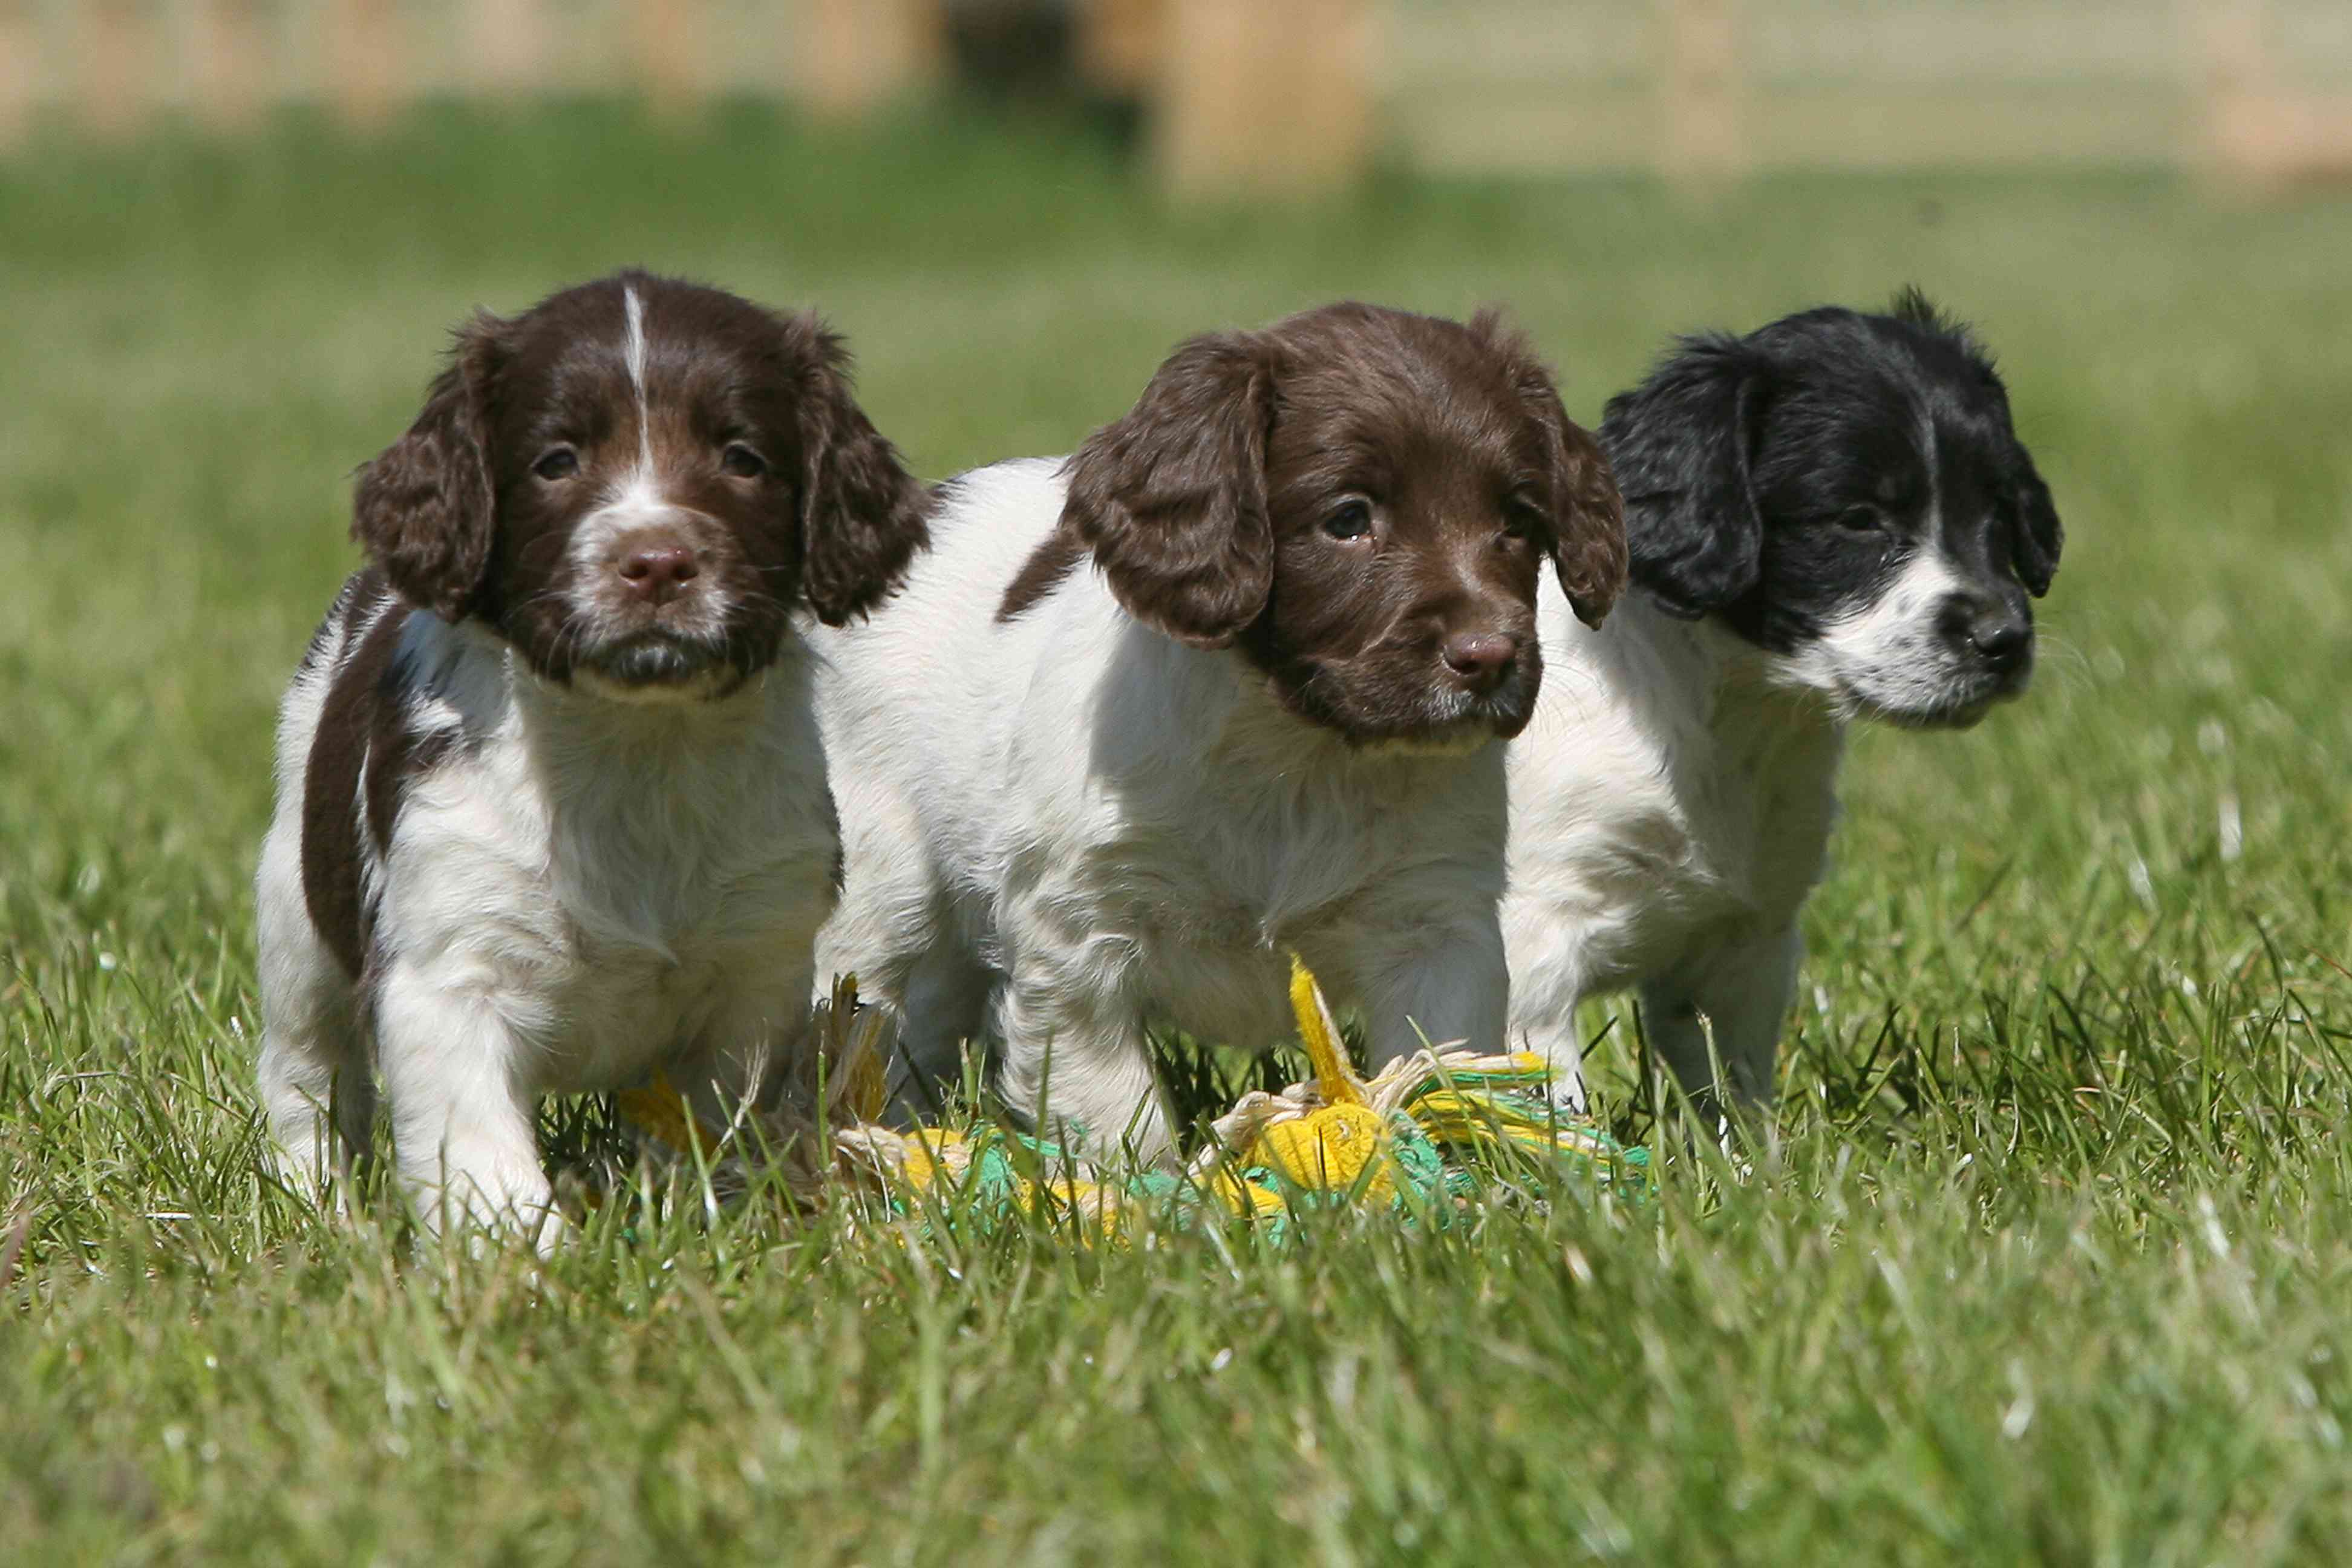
(1588,542)
(425,510)
(1681,444)
(1592,554)
(862,515)
(2039,533)
(1171,496)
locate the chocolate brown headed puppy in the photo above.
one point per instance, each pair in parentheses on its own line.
(552,807)
(1230,682)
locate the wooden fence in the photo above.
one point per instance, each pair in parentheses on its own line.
(1300,95)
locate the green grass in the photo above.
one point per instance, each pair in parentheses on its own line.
(2047,1259)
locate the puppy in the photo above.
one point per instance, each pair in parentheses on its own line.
(1831,518)
(1228,683)
(552,805)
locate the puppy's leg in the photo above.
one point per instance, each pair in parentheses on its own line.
(463,1110)
(1743,988)
(317,1087)
(1547,952)
(1447,986)
(755,1044)
(948,990)
(1079,1068)
(892,912)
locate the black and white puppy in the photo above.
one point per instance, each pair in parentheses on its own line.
(1830,518)
(1229,682)
(551,801)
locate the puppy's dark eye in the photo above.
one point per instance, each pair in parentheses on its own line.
(1353,520)
(1523,520)
(557,463)
(1862,518)
(742,461)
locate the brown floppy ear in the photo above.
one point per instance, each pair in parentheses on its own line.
(425,510)
(1588,542)
(1593,556)
(862,514)
(1171,496)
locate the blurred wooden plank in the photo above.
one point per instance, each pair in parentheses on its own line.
(2227,47)
(859,55)
(1701,97)
(20,69)
(1612,127)
(1958,125)
(1123,44)
(363,62)
(505,43)
(114,62)
(1468,129)
(666,37)
(1528,86)
(1553,42)
(229,61)
(1264,99)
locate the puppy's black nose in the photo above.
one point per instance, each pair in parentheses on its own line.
(1480,659)
(2000,639)
(658,571)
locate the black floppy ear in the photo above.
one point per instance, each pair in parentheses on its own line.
(1681,444)
(1171,496)
(862,515)
(2039,534)
(425,510)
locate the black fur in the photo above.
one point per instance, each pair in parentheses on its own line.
(1780,480)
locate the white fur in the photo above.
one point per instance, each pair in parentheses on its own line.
(1671,807)
(1672,803)
(579,892)
(1057,828)
(1888,659)
(633,351)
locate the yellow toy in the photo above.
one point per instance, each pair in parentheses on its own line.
(1334,1140)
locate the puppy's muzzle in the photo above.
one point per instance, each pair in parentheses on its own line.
(658,569)
(1997,637)
(1480,661)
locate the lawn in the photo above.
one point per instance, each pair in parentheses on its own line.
(2048,1259)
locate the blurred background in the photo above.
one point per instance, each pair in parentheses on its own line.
(1288,95)
(235,233)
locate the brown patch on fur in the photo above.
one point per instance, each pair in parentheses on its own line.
(1060,555)
(349,721)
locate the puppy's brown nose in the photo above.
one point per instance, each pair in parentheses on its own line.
(1480,659)
(658,571)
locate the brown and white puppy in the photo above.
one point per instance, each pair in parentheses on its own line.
(1267,718)
(551,804)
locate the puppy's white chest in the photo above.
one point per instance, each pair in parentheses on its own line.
(1655,809)
(688,934)
(735,980)
(624,904)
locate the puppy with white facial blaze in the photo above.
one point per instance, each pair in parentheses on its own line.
(1226,684)
(1830,518)
(551,801)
